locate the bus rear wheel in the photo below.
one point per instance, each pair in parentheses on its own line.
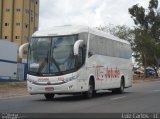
(120,90)
(49,96)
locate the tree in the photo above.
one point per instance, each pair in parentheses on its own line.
(147,33)
(122,32)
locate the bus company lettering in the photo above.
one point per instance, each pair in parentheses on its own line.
(43,79)
(60,78)
(107,73)
(112,73)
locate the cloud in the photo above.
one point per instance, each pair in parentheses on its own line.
(86,12)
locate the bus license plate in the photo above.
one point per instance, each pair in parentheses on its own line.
(49,89)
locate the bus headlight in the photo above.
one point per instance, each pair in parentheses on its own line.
(31,81)
(71,78)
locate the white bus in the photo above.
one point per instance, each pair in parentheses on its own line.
(73,59)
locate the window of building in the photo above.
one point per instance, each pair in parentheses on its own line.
(17,37)
(36,2)
(26,25)
(18,24)
(6,24)
(18,10)
(7,10)
(5,37)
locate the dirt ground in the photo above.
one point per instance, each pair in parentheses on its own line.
(13,85)
(13,89)
(141,79)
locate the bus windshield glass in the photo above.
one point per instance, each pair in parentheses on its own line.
(51,55)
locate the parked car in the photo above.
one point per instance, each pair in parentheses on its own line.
(150,72)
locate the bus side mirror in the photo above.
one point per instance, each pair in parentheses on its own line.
(76,46)
(21,49)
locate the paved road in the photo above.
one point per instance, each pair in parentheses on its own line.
(143,97)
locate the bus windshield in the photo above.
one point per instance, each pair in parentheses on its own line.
(51,55)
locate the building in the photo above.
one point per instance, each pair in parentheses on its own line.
(19,19)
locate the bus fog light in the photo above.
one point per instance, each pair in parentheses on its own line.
(69,87)
(30,88)
(71,78)
(32,81)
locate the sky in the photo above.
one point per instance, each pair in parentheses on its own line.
(92,13)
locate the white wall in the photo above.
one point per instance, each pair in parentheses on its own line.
(8,50)
(8,53)
(8,70)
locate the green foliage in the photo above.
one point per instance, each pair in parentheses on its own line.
(138,15)
(123,32)
(149,20)
(146,43)
(153,4)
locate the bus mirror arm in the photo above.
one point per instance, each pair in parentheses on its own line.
(21,49)
(76,46)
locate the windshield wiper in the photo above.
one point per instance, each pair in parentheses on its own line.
(44,62)
(54,61)
(56,64)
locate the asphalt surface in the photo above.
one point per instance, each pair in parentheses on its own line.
(141,98)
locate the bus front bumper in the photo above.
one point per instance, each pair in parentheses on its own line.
(69,87)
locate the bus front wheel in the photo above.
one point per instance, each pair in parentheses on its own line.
(90,93)
(49,96)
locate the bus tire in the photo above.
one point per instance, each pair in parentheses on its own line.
(122,86)
(90,93)
(49,96)
(119,90)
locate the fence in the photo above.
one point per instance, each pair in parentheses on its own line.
(13,72)
(21,72)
